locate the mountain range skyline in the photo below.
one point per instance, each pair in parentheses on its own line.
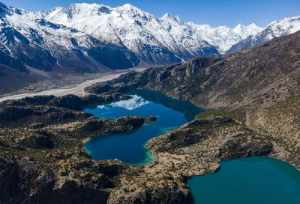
(87,38)
(215,13)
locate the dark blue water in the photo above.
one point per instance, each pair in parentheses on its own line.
(248,181)
(130,147)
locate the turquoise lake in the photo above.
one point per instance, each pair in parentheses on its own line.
(256,180)
(244,181)
(129,147)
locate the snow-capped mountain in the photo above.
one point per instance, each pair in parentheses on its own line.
(89,37)
(26,39)
(154,40)
(275,29)
(139,31)
(223,37)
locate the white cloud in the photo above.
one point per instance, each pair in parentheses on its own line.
(130,104)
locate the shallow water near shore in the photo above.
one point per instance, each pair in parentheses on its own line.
(129,147)
(248,181)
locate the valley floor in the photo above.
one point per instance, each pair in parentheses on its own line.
(73,88)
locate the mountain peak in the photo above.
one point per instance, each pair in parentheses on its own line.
(247,29)
(132,12)
(86,6)
(128,7)
(170,17)
(84,9)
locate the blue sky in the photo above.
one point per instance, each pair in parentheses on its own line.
(214,12)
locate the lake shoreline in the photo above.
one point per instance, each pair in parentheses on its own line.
(135,142)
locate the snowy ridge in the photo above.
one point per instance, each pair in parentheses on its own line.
(286,26)
(224,37)
(134,28)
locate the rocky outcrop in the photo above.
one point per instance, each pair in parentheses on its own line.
(23,180)
(121,125)
(38,140)
(25,116)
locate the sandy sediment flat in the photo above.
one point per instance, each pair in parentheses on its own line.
(75,90)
